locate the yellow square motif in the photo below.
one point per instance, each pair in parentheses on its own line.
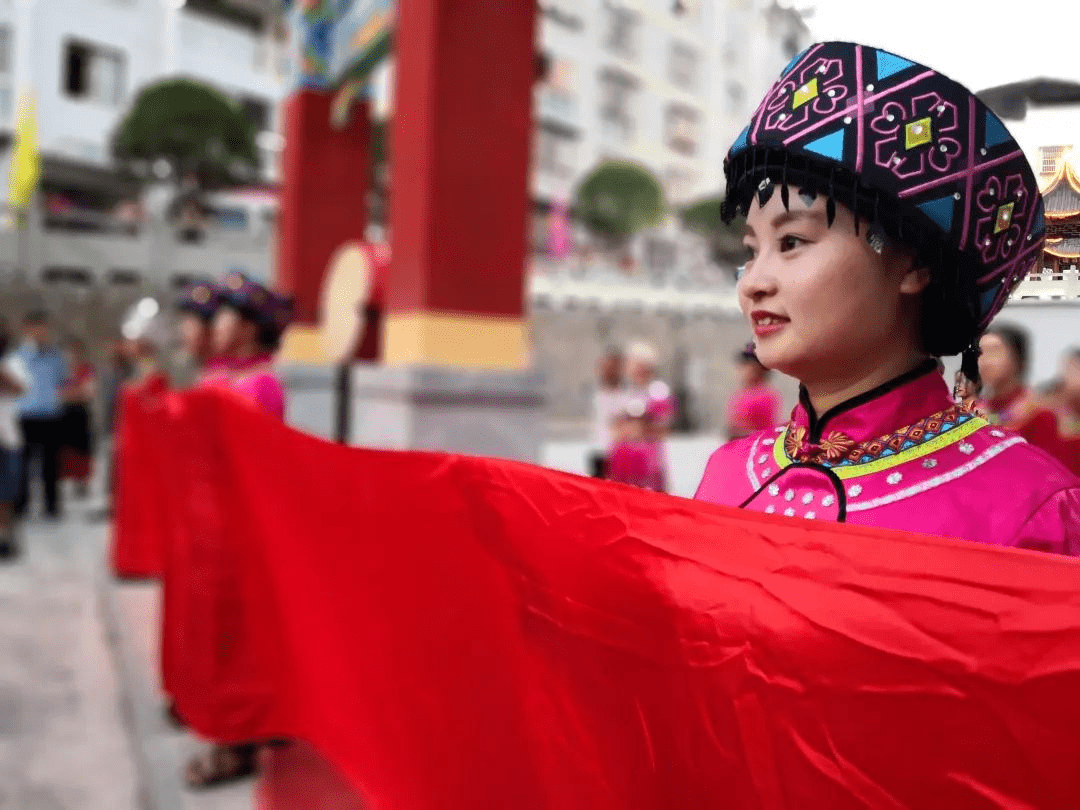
(918,133)
(808,92)
(1004,217)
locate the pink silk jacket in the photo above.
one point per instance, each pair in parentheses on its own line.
(903,456)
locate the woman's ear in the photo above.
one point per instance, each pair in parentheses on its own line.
(915,280)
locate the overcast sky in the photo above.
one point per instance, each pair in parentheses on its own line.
(980,44)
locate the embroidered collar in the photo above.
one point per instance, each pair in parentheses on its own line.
(906,407)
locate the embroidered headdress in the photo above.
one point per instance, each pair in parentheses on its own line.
(915,154)
(271,311)
(202,300)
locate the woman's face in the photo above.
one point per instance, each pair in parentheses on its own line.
(194,335)
(998,366)
(639,372)
(823,305)
(611,370)
(227,330)
(1070,379)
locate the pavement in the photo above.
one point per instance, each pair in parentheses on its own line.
(63,737)
(81,715)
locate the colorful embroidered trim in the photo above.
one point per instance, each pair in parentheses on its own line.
(929,435)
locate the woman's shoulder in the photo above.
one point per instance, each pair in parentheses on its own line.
(730,472)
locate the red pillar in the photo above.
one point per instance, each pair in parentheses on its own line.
(462,123)
(324,182)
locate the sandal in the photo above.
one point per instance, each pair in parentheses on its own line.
(220,765)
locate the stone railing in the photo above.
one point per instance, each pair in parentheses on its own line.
(1050,285)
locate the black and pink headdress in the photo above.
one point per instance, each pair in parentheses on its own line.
(915,154)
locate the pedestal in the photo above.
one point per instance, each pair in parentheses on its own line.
(478,412)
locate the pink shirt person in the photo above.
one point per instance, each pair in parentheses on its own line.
(904,456)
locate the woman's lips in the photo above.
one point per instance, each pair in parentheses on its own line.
(767,323)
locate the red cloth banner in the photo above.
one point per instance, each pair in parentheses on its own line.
(468,633)
(138,475)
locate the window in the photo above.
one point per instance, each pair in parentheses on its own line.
(735,93)
(93,74)
(259,112)
(683,65)
(621,30)
(124,278)
(562,17)
(7,94)
(680,184)
(1051,158)
(659,254)
(686,9)
(618,93)
(681,128)
(76,276)
(556,150)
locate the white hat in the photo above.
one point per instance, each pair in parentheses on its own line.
(643,353)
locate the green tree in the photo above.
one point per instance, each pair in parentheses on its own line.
(617,199)
(194,130)
(725,240)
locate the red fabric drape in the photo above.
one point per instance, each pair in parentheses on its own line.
(467,633)
(138,475)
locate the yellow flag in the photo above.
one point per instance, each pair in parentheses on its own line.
(25,159)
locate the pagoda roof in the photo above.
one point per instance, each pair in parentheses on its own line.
(1067,248)
(1061,192)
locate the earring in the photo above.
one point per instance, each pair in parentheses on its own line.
(876,239)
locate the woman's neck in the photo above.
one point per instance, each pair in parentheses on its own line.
(827,394)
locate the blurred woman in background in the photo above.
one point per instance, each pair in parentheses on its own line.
(77,450)
(756,405)
(14,379)
(1003,367)
(608,402)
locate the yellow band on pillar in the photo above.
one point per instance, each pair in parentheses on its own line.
(455,340)
(303,344)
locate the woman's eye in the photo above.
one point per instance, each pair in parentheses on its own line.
(749,254)
(791,242)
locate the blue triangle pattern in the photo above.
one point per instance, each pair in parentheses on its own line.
(1038,224)
(988,297)
(793,62)
(742,141)
(889,64)
(941,211)
(907,445)
(996,133)
(830,146)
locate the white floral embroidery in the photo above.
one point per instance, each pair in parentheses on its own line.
(789,513)
(930,463)
(895,478)
(762,458)
(789,495)
(811,515)
(828,500)
(937,481)
(770,509)
(774,490)
(808,498)
(779,429)
(855,491)
(997,434)
(967,448)
(766,471)
(755,484)
(769,442)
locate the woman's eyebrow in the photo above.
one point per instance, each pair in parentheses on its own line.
(785,217)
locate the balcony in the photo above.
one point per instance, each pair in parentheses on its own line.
(558,108)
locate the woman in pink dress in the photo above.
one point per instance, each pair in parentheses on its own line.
(646,389)
(197,308)
(248,321)
(889,215)
(756,405)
